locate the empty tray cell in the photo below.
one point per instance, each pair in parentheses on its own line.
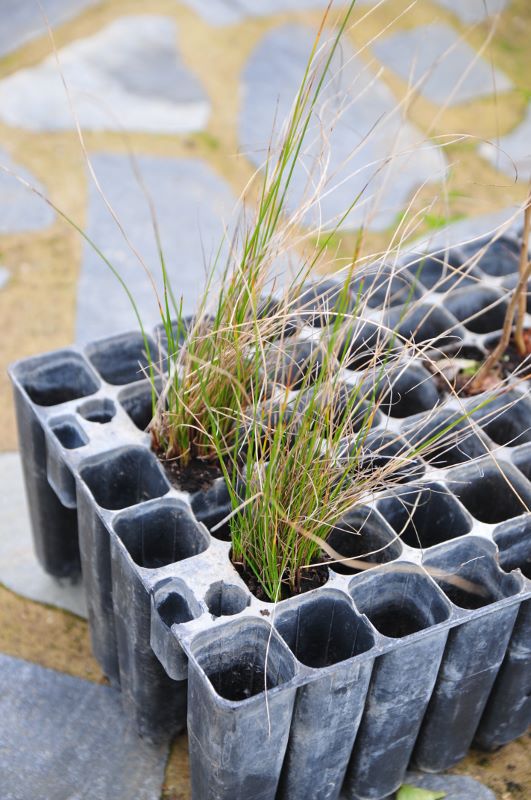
(237,734)
(101,410)
(212,507)
(57,378)
(160,534)
(497,258)
(69,433)
(480,309)
(491,492)
(363,343)
(324,630)
(424,516)
(124,477)
(224,599)
(469,575)
(319,303)
(506,419)
(514,543)
(385,287)
(137,402)
(398,599)
(445,438)
(511,281)
(363,535)
(242,658)
(443,271)
(405,391)
(522,459)
(392,455)
(122,359)
(426,325)
(174,602)
(293,363)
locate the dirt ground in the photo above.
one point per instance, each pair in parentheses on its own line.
(60,640)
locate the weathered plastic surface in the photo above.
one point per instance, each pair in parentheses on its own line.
(348,705)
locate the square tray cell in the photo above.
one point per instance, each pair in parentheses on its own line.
(398,599)
(442,271)
(445,438)
(362,534)
(480,309)
(122,359)
(57,378)
(491,492)
(426,516)
(69,432)
(505,418)
(501,257)
(361,342)
(405,390)
(160,534)
(426,325)
(124,477)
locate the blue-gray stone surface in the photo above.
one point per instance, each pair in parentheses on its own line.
(4,276)
(470,11)
(446,69)
(228,12)
(22,20)
(192,204)
(19,569)
(512,154)
(20,208)
(370,142)
(62,738)
(457,787)
(128,76)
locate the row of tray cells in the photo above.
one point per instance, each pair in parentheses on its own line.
(157,535)
(325,628)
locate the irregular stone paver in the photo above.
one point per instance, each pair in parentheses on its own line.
(369,133)
(470,11)
(20,208)
(4,276)
(23,21)
(513,153)
(457,787)
(19,569)
(127,76)
(448,71)
(63,737)
(192,204)
(228,12)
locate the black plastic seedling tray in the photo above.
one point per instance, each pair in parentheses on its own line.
(363,675)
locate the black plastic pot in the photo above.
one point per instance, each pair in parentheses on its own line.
(334,691)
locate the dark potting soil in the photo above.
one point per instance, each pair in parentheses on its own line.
(311,578)
(240,681)
(196,476)
(512,362)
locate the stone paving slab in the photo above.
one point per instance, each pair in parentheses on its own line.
(229,12)
(369,143)
(22,20)
(192,204)
(471,11)
(448,70)
(19,569)
(457,787)
(63,738)
(20,209)
(4,276)
(512,155)
(128,76)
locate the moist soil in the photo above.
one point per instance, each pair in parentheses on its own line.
(196,476)
(311,578)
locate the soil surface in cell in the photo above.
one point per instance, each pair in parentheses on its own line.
(310,578)
(196,476)
(240,682)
